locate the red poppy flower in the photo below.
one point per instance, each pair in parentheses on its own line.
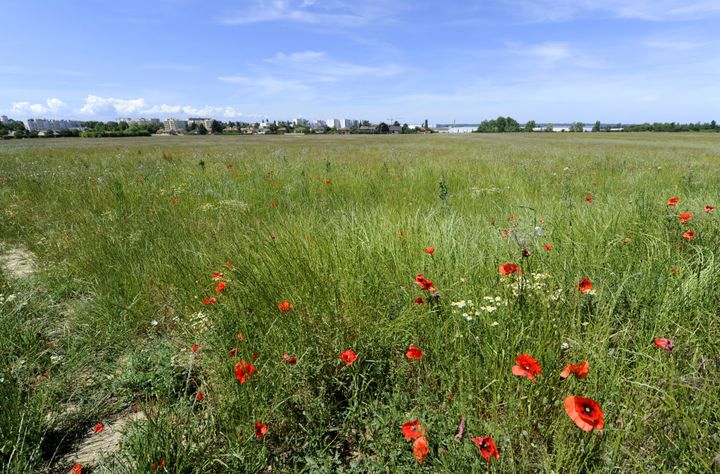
(160,465)
(240,337)
(585,286)
(512,218)
(673,201)
(424,283)
(430,250)
(328,182)
(419,300)
(508,268)
(585,412)
(274,204)
(413,430)
(589,199)
(414,352)
(200,396)
(421,447)
(348,357)
(99,427)
(526,366)
(210,300)
(487,447)
(243,370)
(285,306)
(260,429)
(217,276)
(709,209)
(548,247)
(76,469)
(233,352)
(195,347)
(220,286)
(578,370)
(689,235)
(255,355)
(685,217)
(662,343)
(288,359)
(402,233)
(506,233)
(229,165)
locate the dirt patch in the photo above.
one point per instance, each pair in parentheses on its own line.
(18,262)
(91,449)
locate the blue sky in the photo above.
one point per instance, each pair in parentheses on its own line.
(406,60)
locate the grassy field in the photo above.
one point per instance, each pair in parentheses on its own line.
(119,240)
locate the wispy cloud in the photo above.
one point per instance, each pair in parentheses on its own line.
(306,74)
(334,13)
(549,51)
(325,69)
(267,85)
(647,10)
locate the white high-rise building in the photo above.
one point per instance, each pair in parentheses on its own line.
(333,123)
(348,123)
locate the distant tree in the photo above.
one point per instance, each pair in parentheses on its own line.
(500,124)
(596,127)
(487,126)
(511,125)
(548,128)
(396,123)
(577,127)
(713,125)
(201,130)
(382,128)
(192,127)
(530,126)
(216,127)
(123,125)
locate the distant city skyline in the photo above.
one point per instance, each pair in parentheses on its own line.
(546,60)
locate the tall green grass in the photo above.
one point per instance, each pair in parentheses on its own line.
(128,232)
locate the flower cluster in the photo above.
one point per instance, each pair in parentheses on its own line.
(584,412)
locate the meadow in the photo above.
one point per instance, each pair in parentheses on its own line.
(185,303)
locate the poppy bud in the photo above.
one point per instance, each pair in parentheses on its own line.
(526,253)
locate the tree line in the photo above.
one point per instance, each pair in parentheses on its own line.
(509,124)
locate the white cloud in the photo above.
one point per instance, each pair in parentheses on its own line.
(95,105)
(52,106)
(163,109)
(25,108)
(111,108)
